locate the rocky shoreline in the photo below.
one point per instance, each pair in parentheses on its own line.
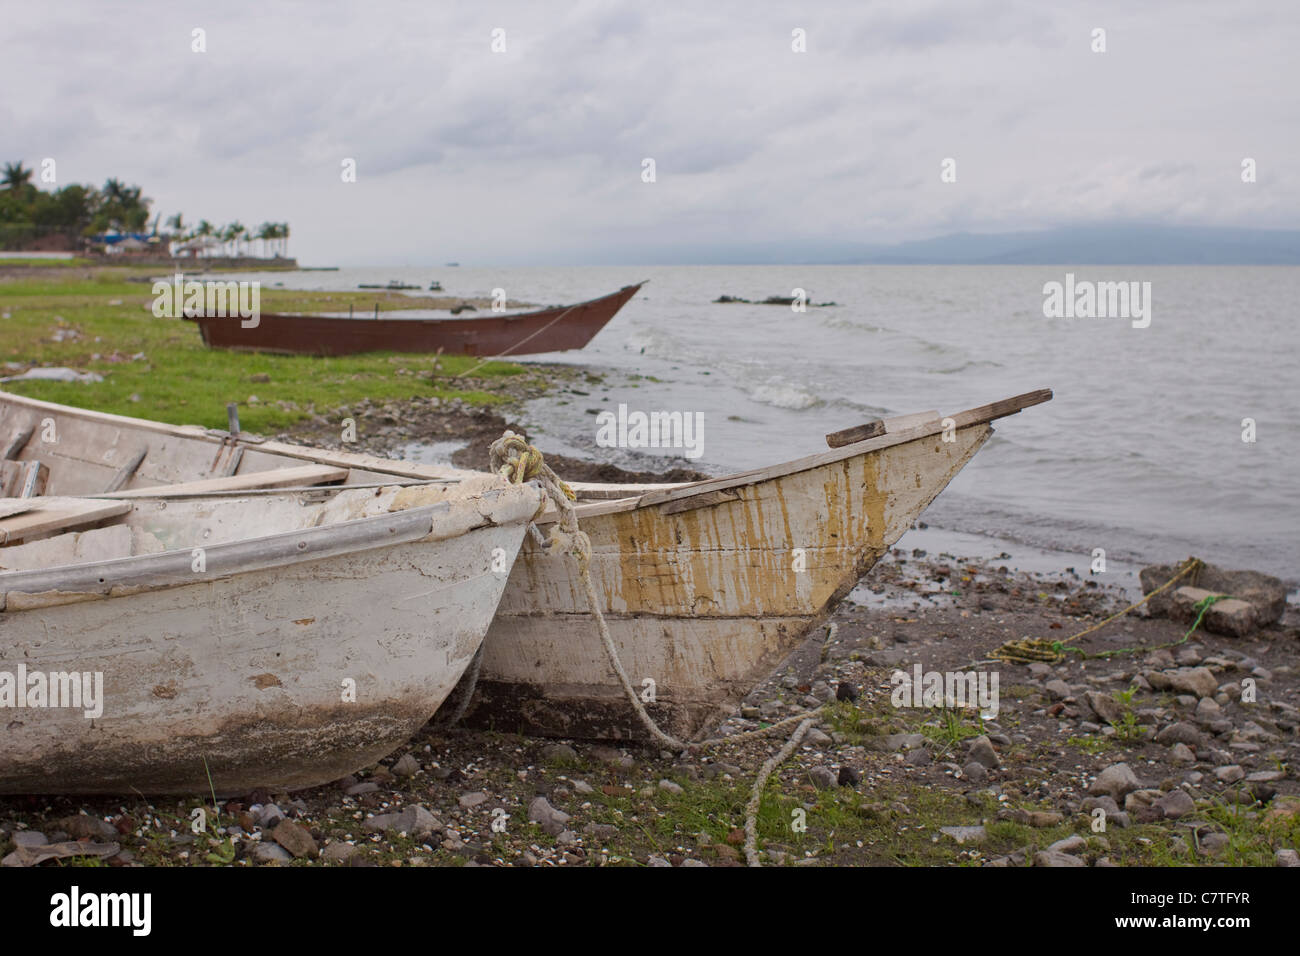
(1153,756)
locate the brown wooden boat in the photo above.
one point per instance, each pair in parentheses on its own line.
(527,333)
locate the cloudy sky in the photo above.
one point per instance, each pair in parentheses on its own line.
(535,154)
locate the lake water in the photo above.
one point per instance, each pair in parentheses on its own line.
(1140,453)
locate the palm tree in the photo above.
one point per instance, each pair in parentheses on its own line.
(177,222)
(284,238)
(204,230)
(16,175)
(264,232)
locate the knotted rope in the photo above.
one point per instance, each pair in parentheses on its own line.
(514,459)
(1029,650)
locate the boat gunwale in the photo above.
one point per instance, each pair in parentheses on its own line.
(174,567)
(980,414)
(434,320)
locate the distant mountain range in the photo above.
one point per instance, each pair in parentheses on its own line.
(1133,244)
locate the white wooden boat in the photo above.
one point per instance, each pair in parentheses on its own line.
(699,582)
(230,629)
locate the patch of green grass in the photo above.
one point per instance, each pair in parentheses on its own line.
(177,379)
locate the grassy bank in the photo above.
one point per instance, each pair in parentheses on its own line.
(99,320)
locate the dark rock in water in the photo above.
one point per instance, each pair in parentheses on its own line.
(1266,594)
(845,692)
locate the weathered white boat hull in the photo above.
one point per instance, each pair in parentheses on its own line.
(279,662)
(702,603)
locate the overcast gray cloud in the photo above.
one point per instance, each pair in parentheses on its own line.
(535,154)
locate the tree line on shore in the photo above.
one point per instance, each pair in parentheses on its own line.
(82,212)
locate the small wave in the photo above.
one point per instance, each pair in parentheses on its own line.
(782,394)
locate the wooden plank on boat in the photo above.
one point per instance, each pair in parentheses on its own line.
(11,478)
(35,478)
(974,416)
(706,500)
(274,478)
(126,471)
(1008,406)
(847,436)
(58,514)
(901,423)
(17,443)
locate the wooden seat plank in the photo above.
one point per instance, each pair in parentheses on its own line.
(55,514)
(272,478)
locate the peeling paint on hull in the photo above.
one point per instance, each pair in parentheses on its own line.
(704,601)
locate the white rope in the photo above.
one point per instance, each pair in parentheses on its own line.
(515,460)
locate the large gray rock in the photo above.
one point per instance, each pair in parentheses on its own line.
(1265,594)
(1199,681)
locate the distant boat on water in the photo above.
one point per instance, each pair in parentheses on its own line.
(554,329)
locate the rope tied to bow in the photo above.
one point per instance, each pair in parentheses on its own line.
(517,461)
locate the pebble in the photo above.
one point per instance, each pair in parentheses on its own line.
(295,838)
(267,816)
(1056,858)
(472,799)
(982,752)
(1180,733)
(559,753)
(547,817)
(1071,844)
(338,852)
(1058,689)
(1115,781)
(1286,858)
(669,786)
(974,834)
(407,766)
(920,757)
(1175,804)
(823,778)
(975,772)
(270,853)
(1229,774)
(1181,753)
(601,831)
(1213,842)
(848,777)
(581,786)
(30,838)
(815,738)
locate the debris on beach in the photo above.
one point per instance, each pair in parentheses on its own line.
(57,374)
